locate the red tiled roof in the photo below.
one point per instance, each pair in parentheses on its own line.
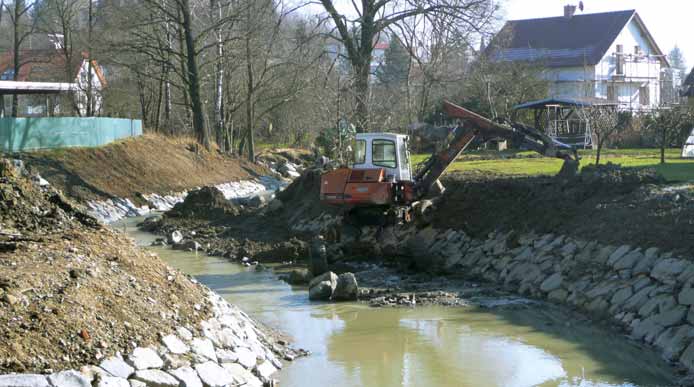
(46,66)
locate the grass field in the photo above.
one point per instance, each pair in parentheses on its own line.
(529,164)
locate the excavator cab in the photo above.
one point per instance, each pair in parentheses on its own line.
(383,150)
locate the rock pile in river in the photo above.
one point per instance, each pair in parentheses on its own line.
(330,286)
(205,203)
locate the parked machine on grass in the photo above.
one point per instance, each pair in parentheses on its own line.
(381,186)
(688,147)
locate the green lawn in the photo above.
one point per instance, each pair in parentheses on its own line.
(529,163)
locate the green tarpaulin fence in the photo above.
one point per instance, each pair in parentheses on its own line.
(24,134)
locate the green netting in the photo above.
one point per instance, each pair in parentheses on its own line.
(23,134)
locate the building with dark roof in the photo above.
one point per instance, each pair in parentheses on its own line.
(50,65)
(608,55)
(688,87)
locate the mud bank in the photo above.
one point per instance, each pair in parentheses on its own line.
(644,292)
(81,305)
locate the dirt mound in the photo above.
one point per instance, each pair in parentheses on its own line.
(141,165)
(205,203)
(301,199)
(608,204)
(72,292)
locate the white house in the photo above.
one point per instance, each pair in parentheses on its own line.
(608,55)
(50,65)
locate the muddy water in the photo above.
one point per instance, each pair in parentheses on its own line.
(354,345)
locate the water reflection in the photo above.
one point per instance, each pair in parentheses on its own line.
(354,345)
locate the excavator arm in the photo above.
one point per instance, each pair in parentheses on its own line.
(476,128)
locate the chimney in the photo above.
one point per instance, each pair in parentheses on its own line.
(569,11)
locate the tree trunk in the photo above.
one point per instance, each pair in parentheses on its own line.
(219,83)
(362,72)
(17,42)
(250,91)
(199,126)
(90,69)
(663,143)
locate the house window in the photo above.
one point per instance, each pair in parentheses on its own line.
(620,59)
(644,96)
(8,75)
(383,154)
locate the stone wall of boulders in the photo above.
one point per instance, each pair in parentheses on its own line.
(225,350)
(647,292)
(112,210)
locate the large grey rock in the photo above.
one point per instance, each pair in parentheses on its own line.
(645,265)
(175,237)
(628,261)
(346,289)
(687,358)
(113,381)
(639,298)
(242,375)
(674,340)
(213,375)
(91,371)
(621,296)
(187,376)
(647,330)
(670,317)
(321,288)
(558,295)
(156,378)
(184,333)
(117,367)
(265,370)
(299,277)
(203,348)
(667,270)
(144,358)
(23,380)
(68,378)
(551,283)
(246,357)
(657,304)
(137,383)
(226,356)
(175,345)
(617,254)
(322,291)
(686,296)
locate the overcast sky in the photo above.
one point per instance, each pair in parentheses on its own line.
(670,21)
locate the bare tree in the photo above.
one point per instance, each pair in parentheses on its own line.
(373,17)
(22,28)
(670,126)
(604,124)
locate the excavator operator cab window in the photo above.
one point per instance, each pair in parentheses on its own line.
(359,152)
(384,153)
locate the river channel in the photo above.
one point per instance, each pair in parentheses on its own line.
(354,345)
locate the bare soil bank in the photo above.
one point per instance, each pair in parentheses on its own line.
(73,292)
(142,165)
(608,205)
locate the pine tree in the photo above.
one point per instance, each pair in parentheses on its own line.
(394,69)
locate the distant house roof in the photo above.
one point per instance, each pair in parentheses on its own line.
(45,66)
(561,41)
(580,102)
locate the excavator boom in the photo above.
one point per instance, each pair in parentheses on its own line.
(474,127)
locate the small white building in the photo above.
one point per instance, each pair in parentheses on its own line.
(50,65)
(609,56)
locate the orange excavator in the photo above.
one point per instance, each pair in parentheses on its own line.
(380,184)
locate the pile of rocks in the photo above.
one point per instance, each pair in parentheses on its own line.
(330,286)
(650,294)
(114,209)
(227,349)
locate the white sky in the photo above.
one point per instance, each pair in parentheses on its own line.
(669,21)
